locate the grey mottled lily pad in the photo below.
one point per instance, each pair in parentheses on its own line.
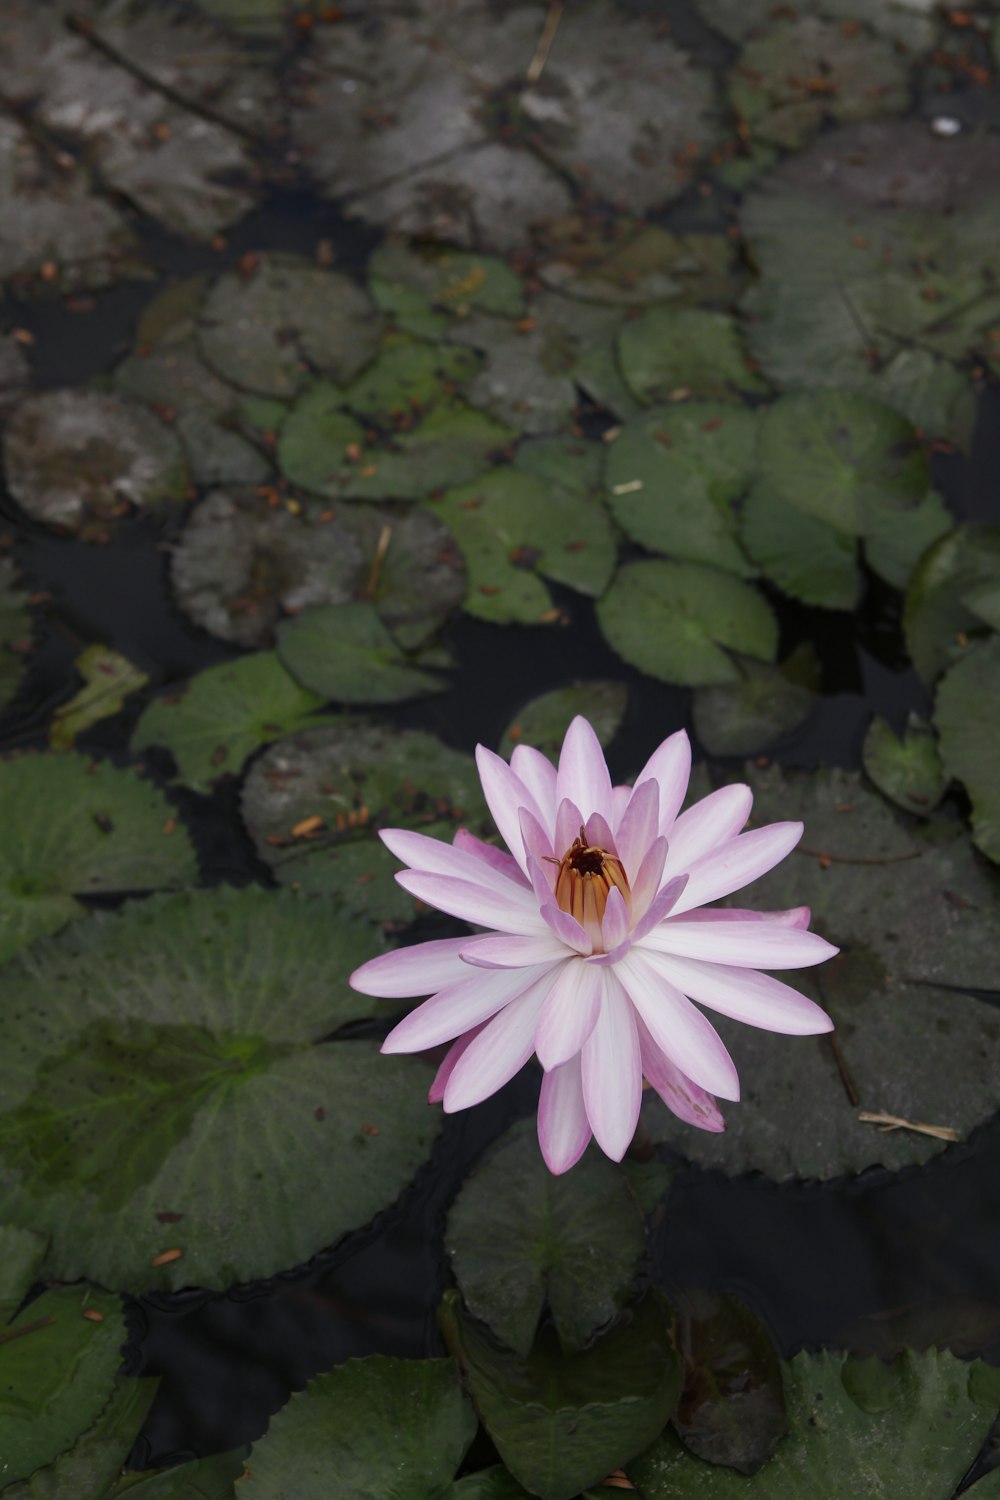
(345,653)
(224,1054)
(631,263)
(15,370)
(940,615)
(544,721)
(910,23)
(15,629)
(967,719)
(905,767)
(676,352)
(411,568)
(77,459)
(749,715)
(267,328)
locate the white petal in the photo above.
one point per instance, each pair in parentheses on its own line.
(737,863)
(599,835)
(418,970)
(649,877)
(748,945)
(567,929)
(683,1098)
(513,912)
(489,854)
(505,795)
(639,826)
(436,1091)
(746,995)
(670,767)
(538,846)
(436,858)
(539,775)
(660,907)
(677,1027)
(501,951)
(714,820)
(621,796)
(563,1127)
(569,821)
(583,772)
(461,1006)
(569,1014)
(611,1072)
(615,924)
(499,1051)
(793,916)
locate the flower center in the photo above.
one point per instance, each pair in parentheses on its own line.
(583,884)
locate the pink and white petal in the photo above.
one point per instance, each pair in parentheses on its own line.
(432,857)
(746,945)
(621,796)
(677,1027)
(737,863)
(714,820)
(660,907)
(599,835)
(745,995)
(436,1091)
(615,923)
(505,795)
(611,1072)
(670,767)
(569,1014)
(417,970)
(563,1127)
(460,1007)
(503,951)
(582,776)
(497,859)
(649,877)
(538,846)
(567,929)
(499,1051)
(638,827)
(693,1105)
(793,916)
(539,775)
(569,821)
(516,911)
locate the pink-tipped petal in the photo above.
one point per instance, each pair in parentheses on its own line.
(660,907)
(611,1072)
(569,1014)
(513,912)
(615,924)
(714,820)
(569,821)
(538,846)
(539,775)
(638,827)
(418,970)
(621,796)
(598,832)
(670,767)
(747,945)
(737,863)
(745,994)
(458,1008)
(436,1091)
(582,776)
(502,951)
(793,916)
(497,859)
(683,1098)
(649,877)
(677,1027)
(563,1127)
(432,857)
(499,1051)
(505,795)
(567,929)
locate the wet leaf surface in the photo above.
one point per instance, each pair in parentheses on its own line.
(966,717)
(905,767)
(805,556)
(94,1463)
(896,543)
(170,1060)
(203,1479)
(762,706)
(344,652)
(939,616)
(671,350)
(543,722)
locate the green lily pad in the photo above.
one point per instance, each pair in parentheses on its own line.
(966,718)
(804,70)
(896,543)
(214,722)
(411,569)
(749,715)
(633,264)
(666,350)
(544,721)
(939,615)
(856,1427)
(21,1251)
(109,678)
(267,329)
(805,556)
(906,768)
(519,1238)
(673,475)
(841,458)
(915,912)
(423,288)
(910,23)
(562,1421)
(672,621)
(345,653)
(566,463)
(197,1113)
(355,778)
(242,562)
(15,630)
(407,376)
(258,19)
(80,829)
(202,1479)
(93,1464)
(77,459)
(510,527)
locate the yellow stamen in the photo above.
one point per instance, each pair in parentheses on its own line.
(586,876)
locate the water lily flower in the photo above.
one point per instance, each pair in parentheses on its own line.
(601,944)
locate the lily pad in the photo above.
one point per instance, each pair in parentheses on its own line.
(266,329)
(246,558)
(77,459)
(914,911)
(806,557)
(966,718)
(15,370)
(510,527)
(749,715)
(202,1479)
(631,264)
(841,458)
(806,69)
(407,376)
(895,544)
(93,1464)
(15,629)
(906,768)
(544,721)
(564,1421)
(80,829)
(565,463)
(424,287)
(673,475)
(338,786)
(411,568)
(667,351)
(939,615)
(856,1427)
(345,653)
(214,722)
(109,678)
(910,23)
(672,621)
(171,1133)
(519,1238)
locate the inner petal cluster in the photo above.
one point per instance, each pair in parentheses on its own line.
(587,875)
